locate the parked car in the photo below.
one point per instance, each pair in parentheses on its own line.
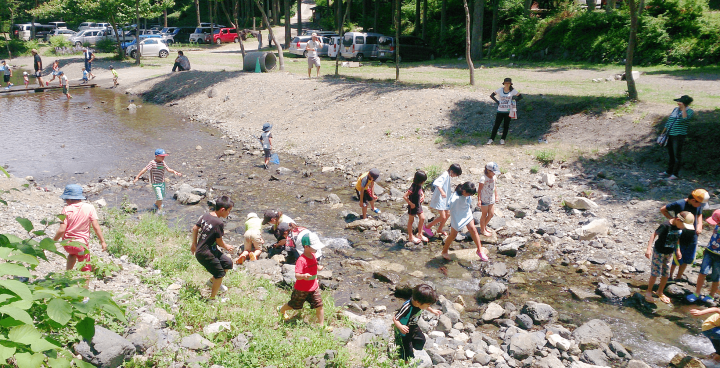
(319,32)
(93,35)
(126,44)
(58,25)
(87,25)
(360,46)
(67,33)
(411,48)
(24,31)
(334,46)
(180,34)
(150,47)
(325,49)
(224,35)
(298,44)
(199,34)
(103,25)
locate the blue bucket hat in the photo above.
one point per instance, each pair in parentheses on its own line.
(266,127)
(73,191)
(493,167)
(160,152)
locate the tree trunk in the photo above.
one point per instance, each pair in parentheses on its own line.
(610,5)
(591,5)
(375,16)
(363,21)
(272,35)
(424,18)
(641,7)
(443,20)
(338,20)
(416,31)
(121,52)
(299,17)
(493,32)
(164,18)
(210,14)
(398,23)
(467,43)
(12,21)
(288,34)
(276,12)
(477,29)
(341,32)
(528,5)
(137,32)
(632,91)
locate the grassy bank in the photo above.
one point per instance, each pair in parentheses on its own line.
(150,242)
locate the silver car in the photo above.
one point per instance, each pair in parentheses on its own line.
(67,33)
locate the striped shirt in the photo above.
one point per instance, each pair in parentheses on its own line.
(157,171)
(676,124)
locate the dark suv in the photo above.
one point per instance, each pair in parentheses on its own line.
(411,48)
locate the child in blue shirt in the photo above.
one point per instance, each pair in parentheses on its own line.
(439,201)
(85,76)
(710,264)
(461,206)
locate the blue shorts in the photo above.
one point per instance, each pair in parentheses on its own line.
(713,333)
(711,266)
(688,255)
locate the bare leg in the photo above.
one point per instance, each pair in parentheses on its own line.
(320,313)
(310,72)
(412,238)
(672,268)
(681,271)
(444,216)
(158,204)
(364,210)
(661,290)
(713,288)
(421,222)
(448,241)
(317,72)
(215,287)
(71,259)
(474,235)
(372,204)
(648,292)
(700,282)
(283,311)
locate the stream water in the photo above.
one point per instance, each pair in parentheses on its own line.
(94,136)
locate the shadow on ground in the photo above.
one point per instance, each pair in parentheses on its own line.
(709,73)
(182,84)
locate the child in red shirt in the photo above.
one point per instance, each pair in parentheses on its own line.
(75,227)
(306,285)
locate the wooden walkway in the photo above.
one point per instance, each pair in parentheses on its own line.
(43,89)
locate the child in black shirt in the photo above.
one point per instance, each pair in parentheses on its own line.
(407,334)
(210,228)
(415,198)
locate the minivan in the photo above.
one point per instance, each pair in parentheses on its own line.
(24,31)
(86,25)
(58,25)
(359,45)
(334,47)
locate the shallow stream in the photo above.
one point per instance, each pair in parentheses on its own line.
(94,136)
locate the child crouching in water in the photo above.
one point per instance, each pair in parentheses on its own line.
(441,193)
(461,205)
(415,198)
(253,239)
(408,335)
(711,329)
(207,234)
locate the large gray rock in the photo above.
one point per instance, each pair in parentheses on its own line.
(614,292)
(493,312)
(509,248)
(491,291)
(391,236)
(580,203)
(444,324)
(544,204)
(423,358)
(593,334)
(522,345)
(268,268)
(540,313)
(599,227)
(240,343)
(595,356)
(549,361)
(496,269)
(343,334)
(524,321)
(637,364)
(186,194)
(196,342)
(106,350)
(386,276)
(378,326)
(148,339)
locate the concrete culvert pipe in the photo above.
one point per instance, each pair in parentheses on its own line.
(267,61)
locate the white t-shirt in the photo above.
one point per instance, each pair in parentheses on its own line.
(313,45)
(505,99)
(487,193)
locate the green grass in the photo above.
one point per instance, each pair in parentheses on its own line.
(432,171)
(546,156)
(150,242)
(535,169)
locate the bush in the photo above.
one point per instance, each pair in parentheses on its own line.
(106,45)
(59,41)
(17,47)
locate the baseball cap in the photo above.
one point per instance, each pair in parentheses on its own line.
(685,99)
(701,195)
(25,73)
(493,167)
(314,34)
(251,215)
(284,227)
(374,173)
(266,127)
(73,191)
(269,215)
(160,152)
(688,220)
(714,219)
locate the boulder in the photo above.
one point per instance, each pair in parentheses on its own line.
(493,311)
(559,342)
(391,236)
(595,356)
(529,265)
(580,203)
(106,350)
(539,312)
(636,364)
(240,343)
(343,334)
(196,342)
(593,334)
(681,360)
(423,359)
(549,361)
(491,291)
(524,321)
(378,326)
(332,199)
(496,269)
(216,327)
(614,292)
(510,247)
(548,179)
(522,345)
(444,324)
(364,224)
(386,276)
(544,204)
(268,267)
(599,227)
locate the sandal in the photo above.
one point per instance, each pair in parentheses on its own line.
(428,231)
(706,299)
(482,256)
(424,239)
(664,298)
(416,241)
(240,260)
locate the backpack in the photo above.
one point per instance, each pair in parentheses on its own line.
(661,244)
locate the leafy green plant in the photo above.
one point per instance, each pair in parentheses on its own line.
(535,169)
(438,140)
(106,45)
(59,41)
(41,317)
(432,171)
(546,156)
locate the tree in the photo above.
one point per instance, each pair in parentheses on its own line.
(288,34)
(299,15)
(416,31)
(398,24)
(467,43)
(341,32)
(9,7)
(632,91)
(272,35)
(443,20)
(197,11)
(424,18)
(477,29)
(527,6)
(493,33)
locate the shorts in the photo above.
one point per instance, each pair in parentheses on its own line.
(253,240)
(660,264)
(482,203)
(313,60)
(88,66)
(418,210)
(56,73)
(267,152)
(65,90)
(711,266)
(159,190)
(6,78)
(367,197)
(38,74)
(77,252)
(714,335)
(214,261)
(298,299)
(413,340)
(688,254)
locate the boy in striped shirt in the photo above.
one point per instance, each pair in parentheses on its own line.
(157,168)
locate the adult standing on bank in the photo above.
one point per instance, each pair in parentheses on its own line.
(312,57)
(37,63)
(89,57)
(676,127)
(507,94)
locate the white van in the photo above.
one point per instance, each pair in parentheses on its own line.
(334,46)
(359,45)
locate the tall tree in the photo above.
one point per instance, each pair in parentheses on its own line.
(477,29)
(363,21)
(375,16)
(493,32)
(341,32)
(272,35)
(197,11)
(416,31)
(424,18)
(235,22)
(288,34)
(9,8)
(632,91)
(398,24)
(299,17)
(527,6)
(443,20)
(471,67)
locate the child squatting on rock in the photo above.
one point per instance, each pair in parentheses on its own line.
(365,190)
(711,329)
(668,236)
(415,198)
(442,188)
(207,235)
(75,228)
(408,335)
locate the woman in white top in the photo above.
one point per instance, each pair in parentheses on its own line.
(506,95)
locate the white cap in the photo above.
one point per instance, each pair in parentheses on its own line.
(252,215)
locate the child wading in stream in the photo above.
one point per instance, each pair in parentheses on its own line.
(487,195)
(415,198)
(157,168)
(660,251)
(711,329)
(461,205)
(441,193)
(207,235)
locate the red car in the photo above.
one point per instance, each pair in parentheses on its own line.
(223,35)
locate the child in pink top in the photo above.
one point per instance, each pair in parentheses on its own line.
(75,227)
